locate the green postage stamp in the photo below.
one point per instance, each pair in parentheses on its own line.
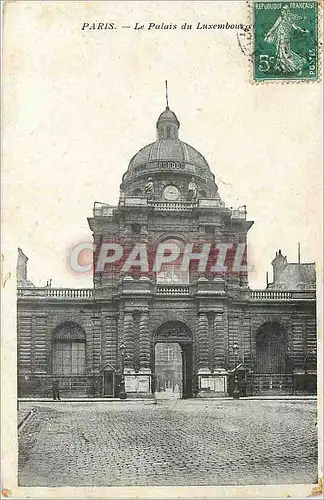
(285,40)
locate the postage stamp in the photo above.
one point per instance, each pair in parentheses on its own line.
(285,41)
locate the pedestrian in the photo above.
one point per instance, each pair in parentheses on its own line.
(153,387)
(243,387)
(55,390)
(195,386)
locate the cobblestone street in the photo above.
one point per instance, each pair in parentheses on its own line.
(183,442)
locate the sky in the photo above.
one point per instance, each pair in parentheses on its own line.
(80,103)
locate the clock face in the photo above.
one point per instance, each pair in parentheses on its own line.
(171,193)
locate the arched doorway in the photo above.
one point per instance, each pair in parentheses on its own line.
(168,370)
(69,358)
(69,349)
(271,349)
(173,360)
(273,369)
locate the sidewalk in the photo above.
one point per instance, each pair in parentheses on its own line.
(148,400)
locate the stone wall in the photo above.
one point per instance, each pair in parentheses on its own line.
(216,325)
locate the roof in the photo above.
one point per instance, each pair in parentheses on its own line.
(168,115)
(168,150)
(296,276)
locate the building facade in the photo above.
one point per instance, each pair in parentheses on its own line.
(153,289)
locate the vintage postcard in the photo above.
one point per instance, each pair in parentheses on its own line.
(162,249)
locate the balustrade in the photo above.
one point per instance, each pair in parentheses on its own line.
(270,294)
(60,293)
(88,293)
(172,205)
(173,289)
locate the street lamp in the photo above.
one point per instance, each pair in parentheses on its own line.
(122,349)
(236,392)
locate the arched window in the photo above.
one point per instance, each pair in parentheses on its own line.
(271,349)
(69,347)
(137,192)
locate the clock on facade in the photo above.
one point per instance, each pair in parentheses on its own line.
(171,193)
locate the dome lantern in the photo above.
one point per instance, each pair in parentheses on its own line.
(167,126)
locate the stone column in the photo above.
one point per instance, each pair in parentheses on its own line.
(219,341)
(109,341)
(129,339)
(144,376)
(145,345)
(204,373)
(96,344)
(202,342)
(24,365)
(220,374)
(95,383)
(129,372)
(39,343)
(298,345)
(299,352)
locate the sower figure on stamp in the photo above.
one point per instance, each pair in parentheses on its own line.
(287,61)
(149,189)
(56,390)
(192,191)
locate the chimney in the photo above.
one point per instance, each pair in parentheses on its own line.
(22,278)
(299,252)
(278,264)
(21,267)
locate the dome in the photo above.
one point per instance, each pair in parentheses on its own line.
(168,161)
(168,150)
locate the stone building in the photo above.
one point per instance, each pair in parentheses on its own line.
(100,340)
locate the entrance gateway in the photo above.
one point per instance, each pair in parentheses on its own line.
(173,360)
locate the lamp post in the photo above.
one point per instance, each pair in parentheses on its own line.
(236,392)
(122,349)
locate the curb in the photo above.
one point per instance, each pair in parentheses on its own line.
(26,417)
(149,400)
(83,400)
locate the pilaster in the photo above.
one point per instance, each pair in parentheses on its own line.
(219,341)
(129,339)
(203,347)
(144,340)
